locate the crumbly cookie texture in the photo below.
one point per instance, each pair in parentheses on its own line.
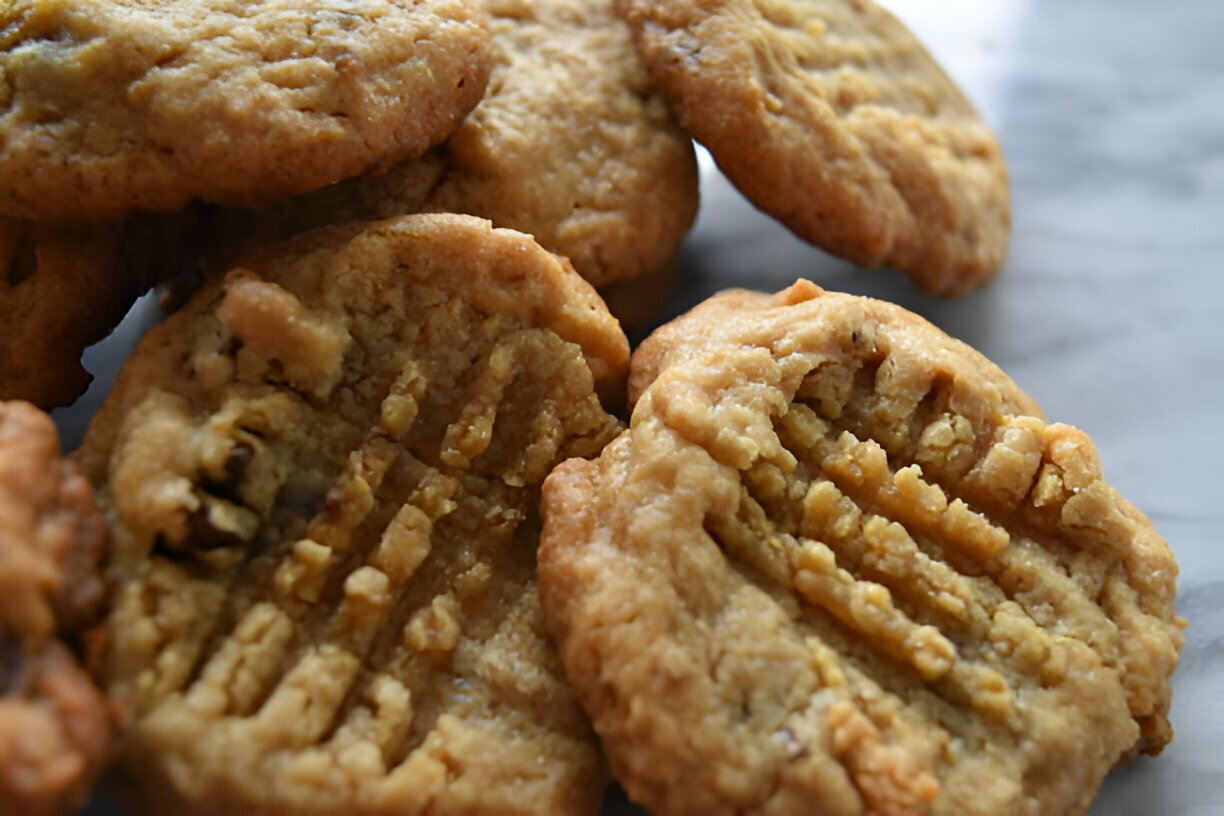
(571,144)
(831,116)
(323,475)
(111,107)
(66,285)
(839,557)
(55,726)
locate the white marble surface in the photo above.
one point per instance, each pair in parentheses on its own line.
(1111,113)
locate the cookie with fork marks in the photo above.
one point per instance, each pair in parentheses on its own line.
(324,475)
(840,558)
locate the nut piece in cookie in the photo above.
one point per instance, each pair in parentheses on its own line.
(832,117)
(125,105)
(65,286)
(324,473)
(55,726)
(571,144)
(839,558)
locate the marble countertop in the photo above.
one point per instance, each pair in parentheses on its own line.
(1108,310)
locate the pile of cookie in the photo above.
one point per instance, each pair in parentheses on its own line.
(361,527)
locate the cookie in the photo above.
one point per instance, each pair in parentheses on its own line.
(122,105)
(324,475)
(839,558)
(55,726)
(65,286)
(832,117)
(574,144)
(571,144)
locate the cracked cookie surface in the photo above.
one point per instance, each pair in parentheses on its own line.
(116,106)
(55,726)
(571,144)
(832,117)
(324,475)
(839,557)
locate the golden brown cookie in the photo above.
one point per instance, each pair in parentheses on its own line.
(324,474)
(109,107)
(574,144)
(832,117)
(840,562)
(65,286)
(571,144)
(55,726)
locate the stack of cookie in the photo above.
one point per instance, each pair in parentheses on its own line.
(378,540)
(271,119)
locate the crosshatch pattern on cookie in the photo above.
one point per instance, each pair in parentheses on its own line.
(324,476)
(867,572)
